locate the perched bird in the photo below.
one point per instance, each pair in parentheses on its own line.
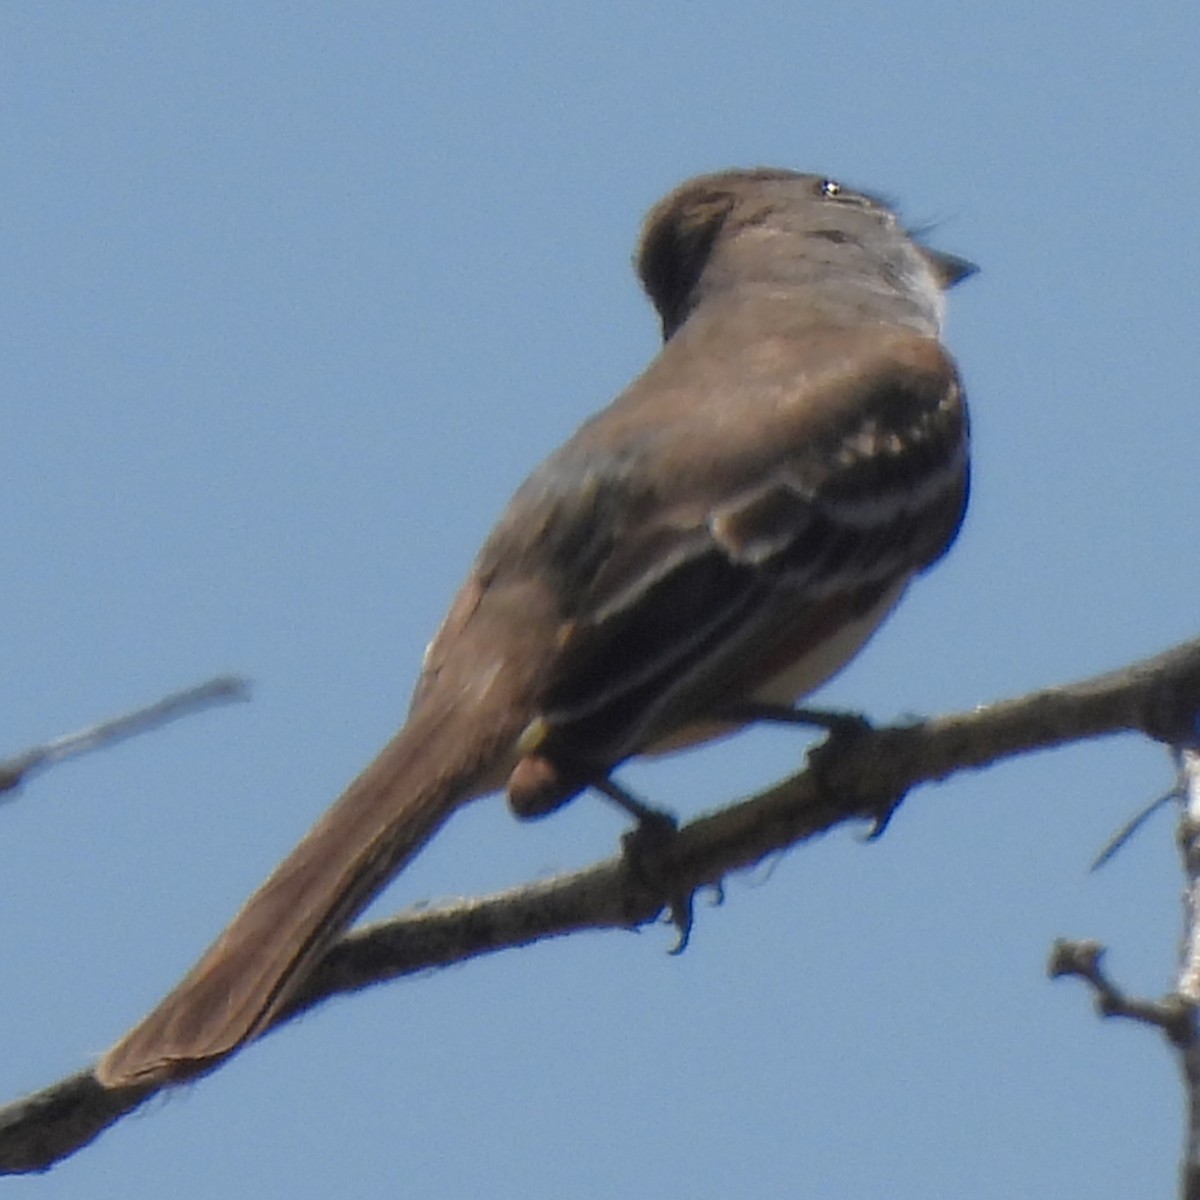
(732,528)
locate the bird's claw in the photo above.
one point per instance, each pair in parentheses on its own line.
(835,722)
(645,849)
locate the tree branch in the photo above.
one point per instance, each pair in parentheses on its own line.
(1082,959)
(857,773)
(1188,985)
(1176,1013)
(225,689)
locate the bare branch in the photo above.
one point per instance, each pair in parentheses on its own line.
(45,1127)
(1189,961)
(1176,1013)
(225,689)
(857,773)
(1188,790)
(1133,826)
(1172,1014)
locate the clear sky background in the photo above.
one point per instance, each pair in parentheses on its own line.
(293,296)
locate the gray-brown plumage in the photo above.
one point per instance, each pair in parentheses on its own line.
(734,526)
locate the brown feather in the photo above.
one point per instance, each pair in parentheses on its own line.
(458,743)
(734,525)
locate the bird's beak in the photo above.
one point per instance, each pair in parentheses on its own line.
(948,269)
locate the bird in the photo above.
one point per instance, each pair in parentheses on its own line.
(729,531)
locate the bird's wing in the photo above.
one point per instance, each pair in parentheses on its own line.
(759,537)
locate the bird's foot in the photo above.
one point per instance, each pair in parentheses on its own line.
(646,849)
(844,730)
(844,741)
(835,722)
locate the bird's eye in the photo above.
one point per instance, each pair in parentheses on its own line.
(830,188)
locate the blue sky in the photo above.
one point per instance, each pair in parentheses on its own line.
(294,295)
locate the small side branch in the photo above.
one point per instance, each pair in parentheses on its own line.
(1082,959)
(225,689)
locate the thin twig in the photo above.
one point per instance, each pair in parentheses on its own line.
(1131,828)
(225,689)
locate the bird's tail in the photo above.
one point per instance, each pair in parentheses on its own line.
(445,755)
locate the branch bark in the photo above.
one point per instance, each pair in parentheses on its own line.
(859,773)
(1188,985)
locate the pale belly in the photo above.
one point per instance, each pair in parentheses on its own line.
(800,678)
(827,659)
